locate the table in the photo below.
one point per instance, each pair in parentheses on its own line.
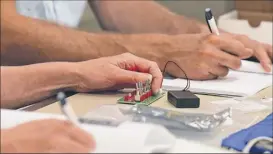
(82,103)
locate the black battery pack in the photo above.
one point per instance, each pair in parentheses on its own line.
(183,99)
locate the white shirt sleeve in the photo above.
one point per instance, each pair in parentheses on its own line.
(62,12)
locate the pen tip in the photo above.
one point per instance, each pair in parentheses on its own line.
(60,96)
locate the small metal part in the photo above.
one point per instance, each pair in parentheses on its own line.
(140,89)
(142,94)
(137,87)
(148,85)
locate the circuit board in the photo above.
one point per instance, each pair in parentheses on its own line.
(146,101)
(142,95)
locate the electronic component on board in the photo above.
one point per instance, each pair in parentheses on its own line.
(142,95)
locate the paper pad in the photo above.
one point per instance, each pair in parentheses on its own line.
(234,84)
(126,138)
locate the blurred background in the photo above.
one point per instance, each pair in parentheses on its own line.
(219,7)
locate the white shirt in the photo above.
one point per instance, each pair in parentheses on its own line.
(62,12)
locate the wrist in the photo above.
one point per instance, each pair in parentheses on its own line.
(72,77)
(61,76)
(83,76)
(153,47)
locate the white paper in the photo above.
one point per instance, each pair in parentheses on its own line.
(246,106)
(127,138)
(253,67)
(234,84)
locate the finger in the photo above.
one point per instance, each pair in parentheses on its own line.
(80,136)
(269,51)
(230,45)
(223,58)
(129,77)
(41,124)
(219,71)
(147,66)
(249,43)
(122,86)
(62,144)
(208,76)
(175,71)
(263,57)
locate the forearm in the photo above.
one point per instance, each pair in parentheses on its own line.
(24,85)
(141,17)
(26,41)
(31,41)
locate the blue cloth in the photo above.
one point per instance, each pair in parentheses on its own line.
(239,140)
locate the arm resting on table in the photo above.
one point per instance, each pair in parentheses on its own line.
(24,85)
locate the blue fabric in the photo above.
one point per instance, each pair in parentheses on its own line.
(239,140)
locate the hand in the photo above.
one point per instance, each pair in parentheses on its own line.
(112,73)
(46,136)
(263,52)
(201,56)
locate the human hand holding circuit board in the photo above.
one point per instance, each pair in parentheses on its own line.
(118,72)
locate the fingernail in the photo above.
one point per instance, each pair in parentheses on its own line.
(158,91)
(150,78)
(269,67)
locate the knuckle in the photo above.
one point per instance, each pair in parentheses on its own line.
(214,39)
(135,78)
(154,64)
(243,37)
(204,50)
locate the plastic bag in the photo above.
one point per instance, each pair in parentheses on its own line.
(113,115)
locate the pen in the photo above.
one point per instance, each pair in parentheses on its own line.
(67,109)
(211,22)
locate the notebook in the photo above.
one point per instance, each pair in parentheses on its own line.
(126,138)
(252,67)
(247,81)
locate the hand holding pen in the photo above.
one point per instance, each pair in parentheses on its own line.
(72,117)
(263,52)
(67,109)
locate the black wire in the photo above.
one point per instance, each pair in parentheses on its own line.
(188,80)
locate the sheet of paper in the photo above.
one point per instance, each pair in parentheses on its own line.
(253,67)
(127,138)
(234,84)
(247,105)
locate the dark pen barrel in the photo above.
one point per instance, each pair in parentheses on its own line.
(208,14)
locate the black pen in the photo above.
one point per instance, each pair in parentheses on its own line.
(211,22)
(67,109)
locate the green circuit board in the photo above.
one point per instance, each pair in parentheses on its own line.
(147,101)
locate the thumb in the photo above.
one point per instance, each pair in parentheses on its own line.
(130,77)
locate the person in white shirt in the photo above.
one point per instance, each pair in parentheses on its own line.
(143,28)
